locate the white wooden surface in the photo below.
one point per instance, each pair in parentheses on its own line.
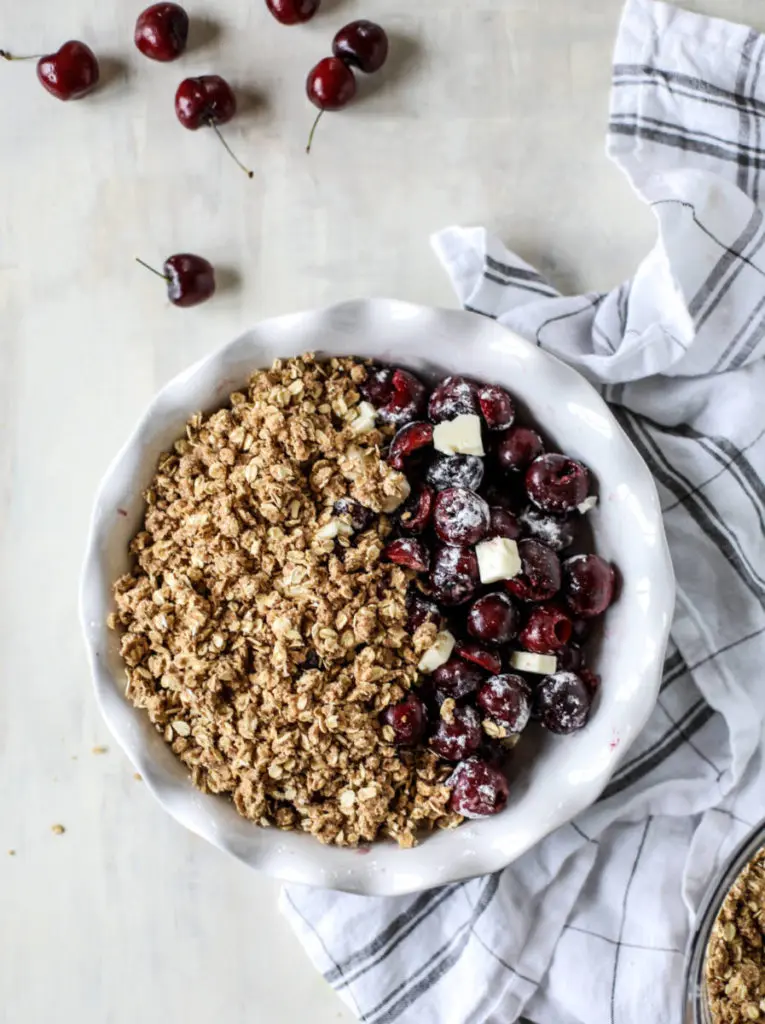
(491,112)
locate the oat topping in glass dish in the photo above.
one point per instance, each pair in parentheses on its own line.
(735,961)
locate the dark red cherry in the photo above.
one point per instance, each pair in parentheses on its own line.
(190,279)
(378,387)
(161,31)
(362,45)
(540,576)
(361,517)
(330,85)
(556,483)
(557,532)
(454,575)
(482,656)
(562,703)
(455,471)
(507,700)
(570,659)
(548,629)
(293,12)
(204,101)
(493,619)
(407,719)
(518,447)
(207,102)
(415,514)
(419,611)
(460,516)
(507,493)
(459,737)
(588,585)
(454,396)
(457,678)
(410,553)
(479,789)
(411,438)
(497,407)
(406,401)
(503,524)
(69,73)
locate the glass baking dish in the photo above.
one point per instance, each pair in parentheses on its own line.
(696,1006)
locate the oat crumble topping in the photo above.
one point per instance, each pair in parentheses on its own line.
(261,633)
(735,963)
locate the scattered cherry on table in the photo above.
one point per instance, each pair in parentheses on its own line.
(68,74)
(190,279)
(207,101)
(293,12)
(331,85)
(363,45)
(161,31)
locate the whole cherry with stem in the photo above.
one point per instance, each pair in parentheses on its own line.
(190,279)
(207,102)
(331,85)
(68,74)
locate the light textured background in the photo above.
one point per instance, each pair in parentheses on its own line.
(492,112)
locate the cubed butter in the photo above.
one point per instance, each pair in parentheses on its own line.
(541,664)
(498,559)
(460,436)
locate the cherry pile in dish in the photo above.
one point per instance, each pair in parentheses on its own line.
(493,527)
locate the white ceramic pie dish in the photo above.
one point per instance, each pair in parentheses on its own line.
(566,774)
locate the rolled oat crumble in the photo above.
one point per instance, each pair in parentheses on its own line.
(263,635)
(735,962)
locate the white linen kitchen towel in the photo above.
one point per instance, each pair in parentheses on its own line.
(590,927)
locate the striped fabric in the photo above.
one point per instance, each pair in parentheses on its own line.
(590,927)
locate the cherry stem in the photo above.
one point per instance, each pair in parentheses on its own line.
(9,56)
(163,276)
(313,131)
(231,153)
